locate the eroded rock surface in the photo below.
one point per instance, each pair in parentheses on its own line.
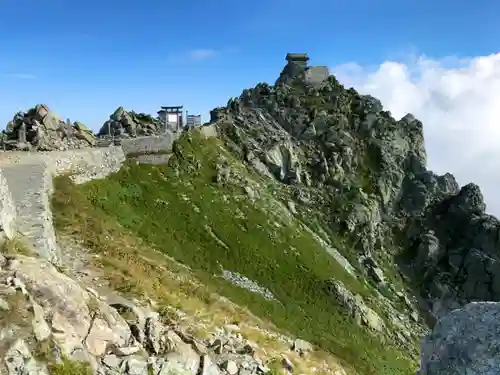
(466,341)
(47,317)
(364,173)
(355,306)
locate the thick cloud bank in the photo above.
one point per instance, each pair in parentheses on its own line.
(459,103)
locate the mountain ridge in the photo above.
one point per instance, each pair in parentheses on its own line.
(340,136)
(303,203)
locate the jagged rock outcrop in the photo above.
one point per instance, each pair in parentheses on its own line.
(130,124)
(355,306)
(41,129)
(466,341)
(456,244)
(365,174)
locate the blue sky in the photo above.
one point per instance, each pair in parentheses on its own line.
(85,58)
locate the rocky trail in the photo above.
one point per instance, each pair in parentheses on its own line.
(113,334)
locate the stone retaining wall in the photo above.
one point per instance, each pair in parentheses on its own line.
(25,192)
(315,75)
(153,159)
(149,144)
(7,209)
(151,149)
(26,182)
(88,164)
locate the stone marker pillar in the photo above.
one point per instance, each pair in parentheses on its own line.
(21,134)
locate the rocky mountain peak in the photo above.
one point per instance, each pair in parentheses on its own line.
(368,174)
(330,128)
(304,201)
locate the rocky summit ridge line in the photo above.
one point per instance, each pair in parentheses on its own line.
(346,158)
(365,174)
(307,154)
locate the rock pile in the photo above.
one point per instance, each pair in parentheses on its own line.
(130,124)
(41,129)
(46,318)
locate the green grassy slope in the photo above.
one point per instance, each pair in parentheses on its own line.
(170,207)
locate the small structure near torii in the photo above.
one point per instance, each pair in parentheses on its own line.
(193,121)
(172,117)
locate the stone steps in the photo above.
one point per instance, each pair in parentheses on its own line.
(31,187)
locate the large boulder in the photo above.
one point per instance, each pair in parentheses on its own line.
(466,341)
(354,306)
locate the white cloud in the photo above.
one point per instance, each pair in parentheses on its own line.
(458,101)
(194,55)
(201,54)
(19,76)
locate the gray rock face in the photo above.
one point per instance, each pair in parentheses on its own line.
(366,172)
(41,129)
(355,306)
(456,245)
(466,341)
(20,361)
